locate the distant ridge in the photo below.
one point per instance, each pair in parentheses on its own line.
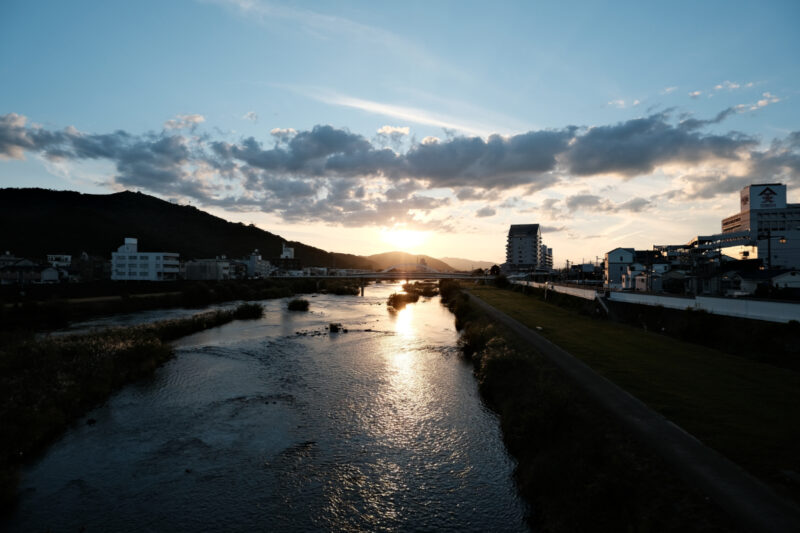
(35,222)
(388,259)
(467,264)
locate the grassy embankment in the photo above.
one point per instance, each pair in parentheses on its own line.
(578,470)
(48,383)
(743,408)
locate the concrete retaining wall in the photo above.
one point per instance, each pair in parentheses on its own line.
(753,309)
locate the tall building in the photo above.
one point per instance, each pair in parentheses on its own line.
(774,224)
(128,263)
(524,247)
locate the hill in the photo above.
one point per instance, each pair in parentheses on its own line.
(467,264)
(35,222)
(388,259)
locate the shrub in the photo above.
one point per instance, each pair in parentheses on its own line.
(298,304)
(248,311)
(398,300)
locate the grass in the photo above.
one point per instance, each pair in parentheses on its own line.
(576,467)
(744,409)
(48,383)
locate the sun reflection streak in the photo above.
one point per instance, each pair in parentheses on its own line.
(404,322)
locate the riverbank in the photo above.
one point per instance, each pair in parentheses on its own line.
(47,384)
(744,408)
(53,307)
(578,469)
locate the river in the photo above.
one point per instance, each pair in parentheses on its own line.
(279,425)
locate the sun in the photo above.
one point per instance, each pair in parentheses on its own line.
(404,240)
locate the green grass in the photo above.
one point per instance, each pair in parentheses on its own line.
(744,409)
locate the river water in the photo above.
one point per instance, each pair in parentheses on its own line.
(279,425)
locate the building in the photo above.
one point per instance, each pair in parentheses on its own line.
(257,267)
(773,225)
(617,262)
(59,260)
(208,269)
(524,247)
(546,255)
(287,253)
(25,271)
(129,264)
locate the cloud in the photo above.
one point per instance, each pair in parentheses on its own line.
(336,176)
(695,94)
(638,146)
(732,85)
(393,135)
(622,104)
(184,121)
(252,116)
(485,212)
(553,229)
(669,90)
(14,137)
(592,202)
(767,99)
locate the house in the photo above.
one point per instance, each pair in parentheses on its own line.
(617,262)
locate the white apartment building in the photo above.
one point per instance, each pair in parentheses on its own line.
(129,264)
(774,225)
(524,247)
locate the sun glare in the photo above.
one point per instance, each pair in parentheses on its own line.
(403,240)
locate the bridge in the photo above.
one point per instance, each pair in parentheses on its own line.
(404,271)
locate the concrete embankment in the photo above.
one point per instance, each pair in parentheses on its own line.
(750,502)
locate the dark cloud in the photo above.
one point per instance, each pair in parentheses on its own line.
(553,229)
(485,212)
(592,202)
(638,146)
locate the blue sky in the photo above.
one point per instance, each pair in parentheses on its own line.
(363,127)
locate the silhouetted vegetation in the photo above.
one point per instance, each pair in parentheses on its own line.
(398,300)
(298,305)
(248,311)
(576,467)
(46,384)
(423,288)
(117,297)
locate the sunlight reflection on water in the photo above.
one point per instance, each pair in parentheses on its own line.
(278,424)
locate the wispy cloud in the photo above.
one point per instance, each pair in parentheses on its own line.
(184,121)
(732,85)
(326,26)
(622,104)
(405,113)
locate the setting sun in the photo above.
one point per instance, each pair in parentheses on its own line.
(403,240)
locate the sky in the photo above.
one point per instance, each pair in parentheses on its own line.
(429,127)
